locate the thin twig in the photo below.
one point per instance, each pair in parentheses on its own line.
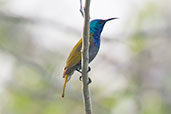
(81,8)
(85,59)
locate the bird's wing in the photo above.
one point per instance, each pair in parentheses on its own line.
(74,56)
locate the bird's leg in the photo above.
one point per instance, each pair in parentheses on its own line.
(89,80)
(80,78)
(89,69)
(79,70)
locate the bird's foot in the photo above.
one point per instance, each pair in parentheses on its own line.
(80,78)
(89,69)
(89,80)
(79,70)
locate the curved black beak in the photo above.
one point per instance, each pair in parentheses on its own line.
(111,19)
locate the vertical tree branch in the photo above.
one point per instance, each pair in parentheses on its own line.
(81,8)
(85,59)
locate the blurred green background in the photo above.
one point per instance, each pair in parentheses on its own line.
(131,74)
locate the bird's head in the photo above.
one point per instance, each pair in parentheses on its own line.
(96,26)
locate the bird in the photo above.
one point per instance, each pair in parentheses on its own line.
(73,62)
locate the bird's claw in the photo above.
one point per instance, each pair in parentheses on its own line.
(80,78)
(78,70)
(89,80)
(89,69)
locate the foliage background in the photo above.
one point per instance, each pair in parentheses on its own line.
(131,74)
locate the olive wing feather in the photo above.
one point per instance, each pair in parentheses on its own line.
(74,56)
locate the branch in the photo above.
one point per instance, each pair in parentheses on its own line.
(85,59)
(81,8)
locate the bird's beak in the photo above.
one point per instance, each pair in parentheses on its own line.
(111,19)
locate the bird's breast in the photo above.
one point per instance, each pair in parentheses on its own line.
(93,50)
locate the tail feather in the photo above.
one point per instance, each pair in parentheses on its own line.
(65,81)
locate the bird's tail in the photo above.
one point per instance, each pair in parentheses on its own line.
(65,81)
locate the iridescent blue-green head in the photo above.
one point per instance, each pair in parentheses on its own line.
(96,27)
